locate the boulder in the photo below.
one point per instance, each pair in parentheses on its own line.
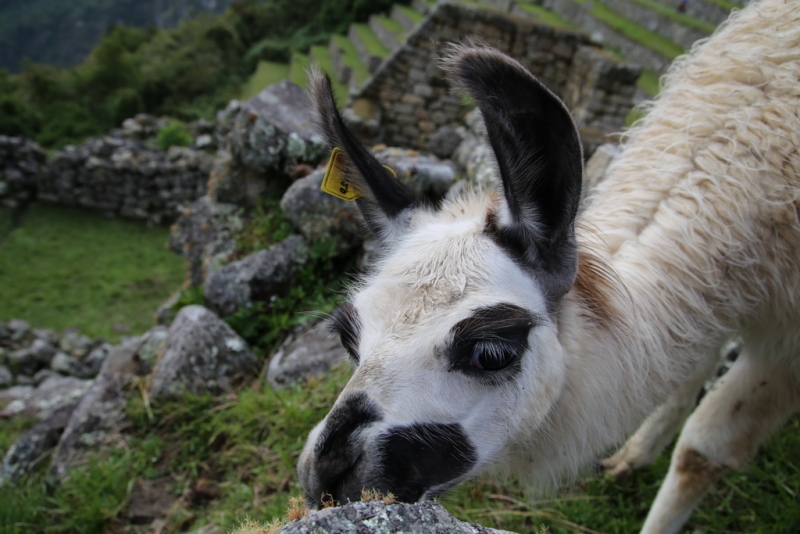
(96,422)
(205,235)
(55,391)
(30,359)
(598,164)
(275,130)
(136,356)
(375,516)
(257,277)
(6,378)
(445,141)
(29,448)
(310,353)
(67,365)
(319,216)
(202,355)
(75,344)
(425,175)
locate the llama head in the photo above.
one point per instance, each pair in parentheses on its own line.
(454,335)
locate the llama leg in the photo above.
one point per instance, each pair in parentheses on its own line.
(742,409)
(644,446)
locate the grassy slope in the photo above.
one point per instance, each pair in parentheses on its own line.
(67,267)
(243,449)
(267,73)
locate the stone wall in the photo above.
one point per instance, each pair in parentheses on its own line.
(21,161)
(414,100)
(579,15)
(123,178)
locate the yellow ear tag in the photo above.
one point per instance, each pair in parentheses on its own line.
(334,182)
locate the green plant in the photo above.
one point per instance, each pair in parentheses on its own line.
(173,134)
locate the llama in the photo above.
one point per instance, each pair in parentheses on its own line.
(499,332)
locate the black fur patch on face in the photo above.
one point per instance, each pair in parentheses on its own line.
(417,458)
(336,452)
(346,324)
(489,344)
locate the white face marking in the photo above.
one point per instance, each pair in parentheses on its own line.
(435,276)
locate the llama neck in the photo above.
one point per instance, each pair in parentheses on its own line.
(619,370)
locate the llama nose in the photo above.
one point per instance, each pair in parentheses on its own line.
(331,471)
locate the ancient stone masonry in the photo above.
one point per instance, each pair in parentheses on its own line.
(415,102)
(125,179)
(21,161)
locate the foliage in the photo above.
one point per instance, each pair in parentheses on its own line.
(174,134)
(187,72)
(67,267)
(314,290)
(266,227)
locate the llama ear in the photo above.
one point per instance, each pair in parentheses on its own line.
(539,156)
(386,202)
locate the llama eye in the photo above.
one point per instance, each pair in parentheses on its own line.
(490,356)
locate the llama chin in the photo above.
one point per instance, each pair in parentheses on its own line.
(507,331)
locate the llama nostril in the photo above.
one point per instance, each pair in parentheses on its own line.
(331,468)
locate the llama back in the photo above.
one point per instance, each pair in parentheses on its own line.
(707,186)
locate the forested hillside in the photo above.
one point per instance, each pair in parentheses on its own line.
(187,72)
(62,33)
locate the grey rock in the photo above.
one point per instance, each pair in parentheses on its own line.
(30,359)
(96,422)
(211,528)
(257,277)
(598,163)
(67,365)
(262,126)
(43,375)
(95,359)
(202,354)
(54,392)
(13,399)
(319,216)
(6,378)
(375,516)
(18,330)
(75,344)
(425,175)
(136,356)
(444,141)
(311,353)
(205,234)
(29,448)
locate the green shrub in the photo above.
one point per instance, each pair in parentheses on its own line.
(173,134)
(16,119)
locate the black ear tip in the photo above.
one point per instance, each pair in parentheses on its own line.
(471,63)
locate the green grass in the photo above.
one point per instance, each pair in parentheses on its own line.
(349,57)
(670,12)
(298,70)
(649,82)
(68,267)
(411,13)
(633,31)
(371,41)
(246,446)
(391,25)
(545,16)
(266,74)
(726,4)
